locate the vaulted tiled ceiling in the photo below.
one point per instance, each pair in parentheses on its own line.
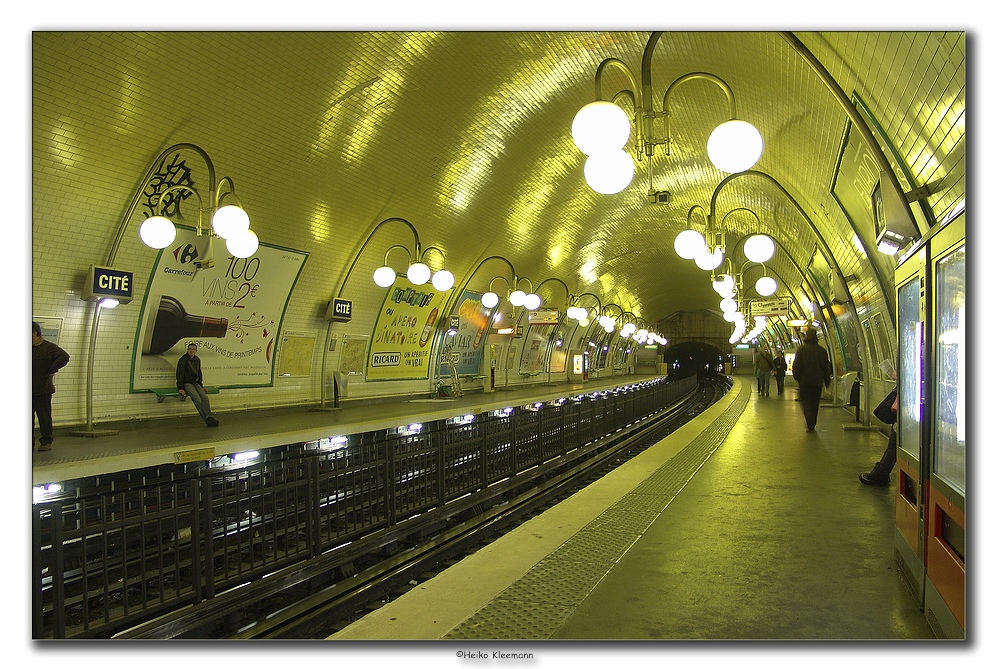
(467,136)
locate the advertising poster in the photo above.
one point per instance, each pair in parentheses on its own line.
(401,342)
(468,342)
(535,348)
(231,308)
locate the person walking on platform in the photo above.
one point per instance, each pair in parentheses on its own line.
(46,360)
(811,369)
(763,368)
(780,369)
(189,384)
(885,412)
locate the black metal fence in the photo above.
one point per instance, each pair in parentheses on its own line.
(112,551)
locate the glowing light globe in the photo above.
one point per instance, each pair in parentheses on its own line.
(759,248)
(157,232)
(532,301)
(708,261)
(230,220)
(766,286)
(490,300)
(600,126)
(418,273)
(384,276)
(443,280)
(243,244)
(609,172)
(517,298)
(725,286)
(688,243)
(735,146)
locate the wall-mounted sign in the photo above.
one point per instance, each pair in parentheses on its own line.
(105,282)
(339,310)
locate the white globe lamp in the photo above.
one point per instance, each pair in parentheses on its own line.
(157,232)
(384,276)
(759,248)
(229,221)
(243,244)
(418,273)
(600,126)
(490,300)
(517,298)
(766,286)
(708,261)
(688,243)
(443,280)
(735,146)
(532,301)
(609,172)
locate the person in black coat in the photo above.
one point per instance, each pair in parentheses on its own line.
(189,383)
(780,369)
(812,370)
(46,360)
(886,412)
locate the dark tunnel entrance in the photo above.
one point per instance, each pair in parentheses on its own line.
(694,357)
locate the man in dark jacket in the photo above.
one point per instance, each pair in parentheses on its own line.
(46,360)
(780,369)
(189,384)
(811,369)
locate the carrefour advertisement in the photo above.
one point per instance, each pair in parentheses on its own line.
(470,339)
(404,332)
(231,308)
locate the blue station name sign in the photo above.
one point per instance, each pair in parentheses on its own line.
(105,282)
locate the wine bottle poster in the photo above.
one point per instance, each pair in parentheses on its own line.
(232,308)
(473,331)
(404,332)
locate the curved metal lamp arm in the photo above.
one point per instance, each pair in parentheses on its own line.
(385,261)
(560,282)
(703,213)
(357,256)
(733,211)
(423,255)
(130,210)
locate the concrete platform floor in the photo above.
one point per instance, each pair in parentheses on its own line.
(768,536)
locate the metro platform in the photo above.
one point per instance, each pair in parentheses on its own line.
(741,525)
(150,442)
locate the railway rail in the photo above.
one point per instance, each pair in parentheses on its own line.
(314,611)
(319,532)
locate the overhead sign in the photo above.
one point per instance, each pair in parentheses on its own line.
(339,310)
(543,317)
(774,307)
(108,282)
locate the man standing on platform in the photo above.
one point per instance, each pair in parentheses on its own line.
(811,368)
(780,369)
(46,360)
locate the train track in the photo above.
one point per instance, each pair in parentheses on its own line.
(315,608)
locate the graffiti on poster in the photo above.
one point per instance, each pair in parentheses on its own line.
(231,308)
(470,338)
(404,332)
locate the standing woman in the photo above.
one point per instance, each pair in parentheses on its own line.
(780,369)
(811,369)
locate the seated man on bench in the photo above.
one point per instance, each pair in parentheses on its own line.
(189,383)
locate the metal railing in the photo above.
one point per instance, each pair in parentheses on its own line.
(112,551)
